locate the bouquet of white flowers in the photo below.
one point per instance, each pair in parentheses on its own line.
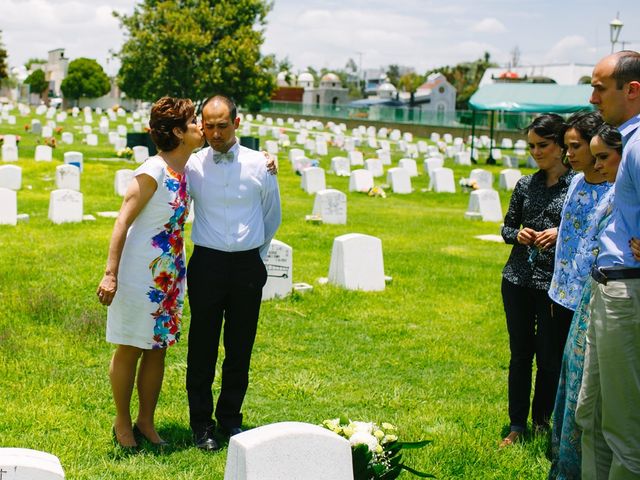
(375,449)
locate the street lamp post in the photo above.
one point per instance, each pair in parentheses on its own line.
(614,30)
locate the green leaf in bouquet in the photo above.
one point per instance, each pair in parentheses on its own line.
(410,445)
(416,472)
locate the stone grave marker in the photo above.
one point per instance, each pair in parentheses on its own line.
(395,135)
(10,177)
(10,140)
(288,450)
(279,265)
(409,164)
(313,179)
(294,153)
(27,464)
(506,143)
(67,138)
(122,130)
(122,180)
(321,147)
(357,263)
(484,204)
(399,180)
(510,162)
(442,180)
(447,138)
(483,178)
(360,180)
(65,206)
(508,178)
(68,176)
(349,144)
(137,127)
(462,158)
(36,127)
(91,139)
(112,137)
(9,153)
(8,206)
(140,153)
(331,206)
(429,165)
(407,137)
(44,153)
(340,166)
(300,163)
(374,165)
(384,156)
(86,129)
(496,153)
(272,147)
(434,137)
(310,145)
(121,144)
(356,158)
(372,142)
(385,145)
(74,158)
(47,131)
(423,147)
(41,109)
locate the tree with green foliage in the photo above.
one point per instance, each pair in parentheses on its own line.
(37,82)
(4,68)
(196,48)
(393,74)
(29,64)
(465,77)
(85,78)
(409,82)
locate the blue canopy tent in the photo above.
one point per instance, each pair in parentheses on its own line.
(527,97)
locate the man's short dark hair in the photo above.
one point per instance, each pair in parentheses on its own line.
(233,110)
(627,68)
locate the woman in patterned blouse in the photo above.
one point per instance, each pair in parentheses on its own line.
(531,226)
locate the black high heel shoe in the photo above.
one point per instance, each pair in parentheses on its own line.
(139,435)
(124,448)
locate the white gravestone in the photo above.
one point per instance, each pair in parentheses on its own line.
(510,162)
(484,204)
(121,144)
(430,164)
(395,135)
(340,166)
(291,451)
(409,164)
(321,147)
(384,156)
(506,143)
(356,158)
(407,137)
(47,131)
(26,464)
(279,265)
(65,206)
(423,147)
(300,163)
(483,178)
(462,158)
(112,137)
(67,137)
(10,140)
(44,153)
(331,205)
(36,127)
(399,180)
(442,180)
(349,144)
(272,147)
(508,178)
(122,180)
(9,153)
(140,153)
(122,130)
(92,139)
(8,207)
(74,158)
(86,129)
(310,145)
(374,165)
(447,138)
(10,177)
(434,137)
(356,262)
(496,153)
(294,154)
(361,180)
(313,179)
(68,176)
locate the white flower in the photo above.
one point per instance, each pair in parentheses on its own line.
(364,438)
(365,427)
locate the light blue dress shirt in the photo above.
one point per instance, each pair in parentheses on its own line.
(237,202)
(625,219)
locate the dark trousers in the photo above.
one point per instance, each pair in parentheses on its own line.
(221,285)
(537,327)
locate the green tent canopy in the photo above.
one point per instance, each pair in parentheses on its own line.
(527,97)
(532,97)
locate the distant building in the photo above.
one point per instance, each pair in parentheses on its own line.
(330,91)
(562,74)
(55,70)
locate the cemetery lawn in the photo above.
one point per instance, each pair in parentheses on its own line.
(429,354)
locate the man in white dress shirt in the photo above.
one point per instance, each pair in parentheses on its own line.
(237,213)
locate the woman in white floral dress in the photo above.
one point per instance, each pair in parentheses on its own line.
(144,281)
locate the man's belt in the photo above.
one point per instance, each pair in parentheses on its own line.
(603,275)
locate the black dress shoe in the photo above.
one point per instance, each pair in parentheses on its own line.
(229,432)
(204,440)
(140,436)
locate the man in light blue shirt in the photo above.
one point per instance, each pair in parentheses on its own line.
(608,407)
(237,213)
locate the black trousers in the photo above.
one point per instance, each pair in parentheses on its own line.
(537,327)
(221,285)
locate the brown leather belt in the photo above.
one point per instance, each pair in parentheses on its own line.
(603,275)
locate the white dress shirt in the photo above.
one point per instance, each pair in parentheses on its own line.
(237,203)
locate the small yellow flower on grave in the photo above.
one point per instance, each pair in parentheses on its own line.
(378,449)
(379,434)
(388,426)
(389,438)
(348,431)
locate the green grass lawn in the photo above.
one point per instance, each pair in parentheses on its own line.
(429,354)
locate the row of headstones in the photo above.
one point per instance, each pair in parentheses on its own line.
(67,177)
(65,206)
(356,264)
(284,450)
(44,153)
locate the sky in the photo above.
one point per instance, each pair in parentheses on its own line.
(422,34)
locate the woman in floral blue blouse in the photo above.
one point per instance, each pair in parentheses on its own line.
(531,226)
(606,148)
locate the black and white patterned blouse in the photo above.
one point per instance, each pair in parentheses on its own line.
(539,207)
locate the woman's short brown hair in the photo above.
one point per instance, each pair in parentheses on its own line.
(166,114)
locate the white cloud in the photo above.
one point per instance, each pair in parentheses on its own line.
(489,25)
(572,48)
